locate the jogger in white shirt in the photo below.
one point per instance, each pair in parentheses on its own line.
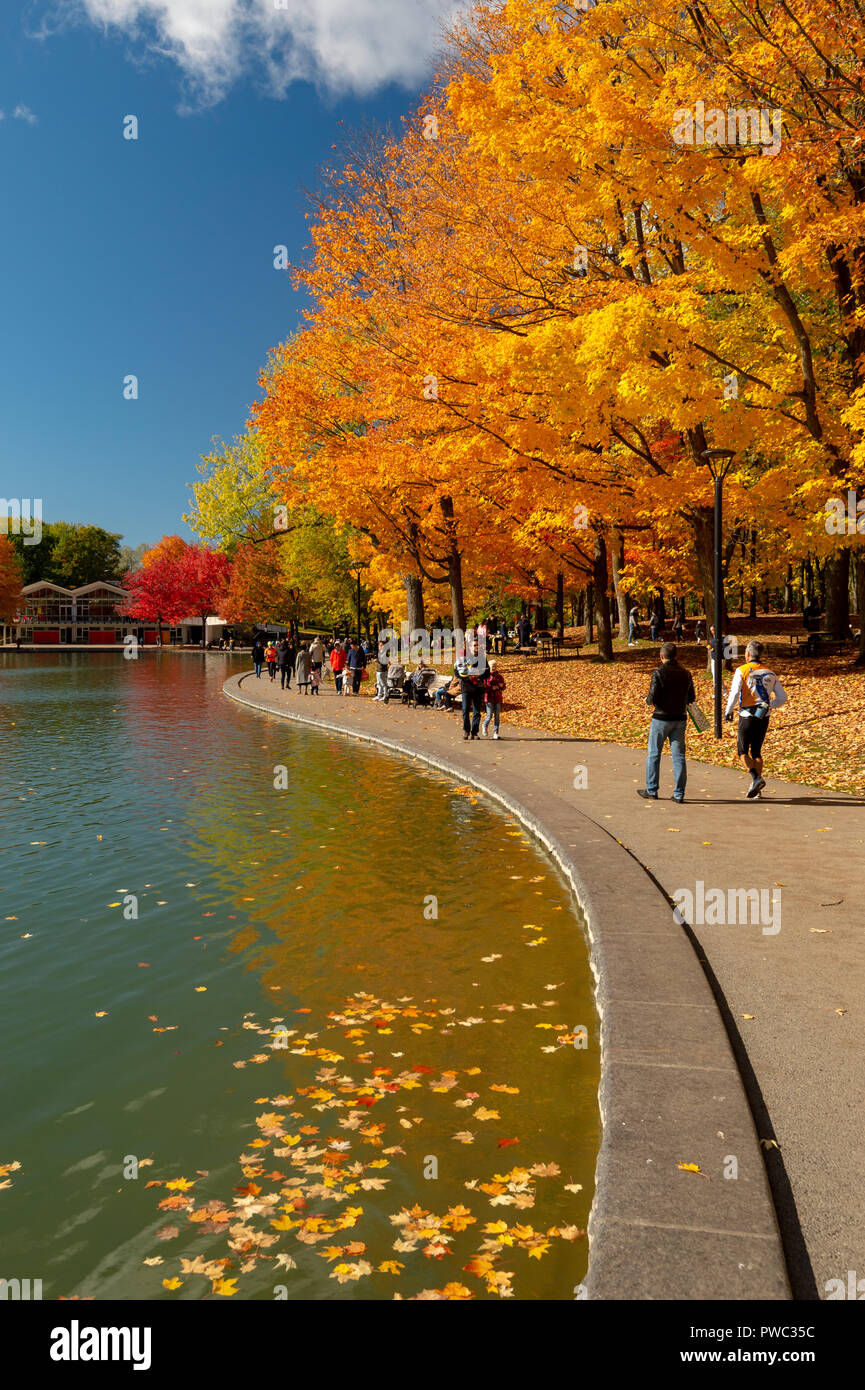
(757,691)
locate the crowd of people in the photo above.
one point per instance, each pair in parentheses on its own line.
(476,685)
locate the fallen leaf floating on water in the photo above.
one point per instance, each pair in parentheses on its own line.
(310,1197)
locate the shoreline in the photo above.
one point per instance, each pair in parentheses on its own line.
(655,1231)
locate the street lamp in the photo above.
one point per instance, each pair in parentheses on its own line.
(719,462)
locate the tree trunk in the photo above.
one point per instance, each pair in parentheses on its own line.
(621,596)
(602,599)
(590,614)
(560,604)
(836,572)
(788,590)
(414,601)
(860,604)
(455,566)
(580,616)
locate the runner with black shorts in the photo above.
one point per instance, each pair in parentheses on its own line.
(757,691)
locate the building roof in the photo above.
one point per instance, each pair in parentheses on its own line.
(75,593)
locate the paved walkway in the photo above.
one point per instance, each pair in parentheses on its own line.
(792,1000)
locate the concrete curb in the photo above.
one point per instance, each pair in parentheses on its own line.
(670,1087)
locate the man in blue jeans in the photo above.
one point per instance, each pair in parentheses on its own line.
(671,691)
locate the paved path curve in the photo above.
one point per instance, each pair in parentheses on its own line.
(673,1071)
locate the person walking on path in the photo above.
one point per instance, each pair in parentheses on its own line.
(698,630)
(493,691)
(285,655)
(381,665)
(633,629)
(356,663)
(758,691)
(654,624)
(314,679)
(316,654)
(301,669)
(671,691)
(502,639)
(257,655)
(678,628)
(270,659)
(472,675)
(337,666)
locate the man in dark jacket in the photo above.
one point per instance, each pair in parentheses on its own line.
(471,671)
(355,664)
(671,691)
(285,655)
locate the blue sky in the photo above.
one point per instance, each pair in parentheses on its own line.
(155,257)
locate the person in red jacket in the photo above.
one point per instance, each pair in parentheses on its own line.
(337,665)
(494,687)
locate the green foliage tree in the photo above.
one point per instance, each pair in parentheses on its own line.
(70,554)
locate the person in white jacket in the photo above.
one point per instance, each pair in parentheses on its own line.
(757,691)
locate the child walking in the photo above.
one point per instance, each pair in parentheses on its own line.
(494,686)
(314,680)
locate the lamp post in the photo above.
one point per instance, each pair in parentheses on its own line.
(719,462)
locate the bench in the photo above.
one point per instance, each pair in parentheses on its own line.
(814,644)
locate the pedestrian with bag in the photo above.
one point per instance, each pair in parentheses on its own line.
(472,672)
(758,691)
(258,656)
(337,666)
(356,665)
(670,692)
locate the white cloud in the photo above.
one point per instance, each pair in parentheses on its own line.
(344,46)
(23,113)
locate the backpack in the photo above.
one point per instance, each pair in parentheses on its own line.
(753,692)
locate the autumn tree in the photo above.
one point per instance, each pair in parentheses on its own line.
(10,580)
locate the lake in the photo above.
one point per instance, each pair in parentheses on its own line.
(284,1015)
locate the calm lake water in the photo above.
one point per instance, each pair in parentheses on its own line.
(336,1039)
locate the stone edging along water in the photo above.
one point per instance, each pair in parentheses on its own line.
(670,1088)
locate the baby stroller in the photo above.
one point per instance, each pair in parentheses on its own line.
(395,683)
(416,690)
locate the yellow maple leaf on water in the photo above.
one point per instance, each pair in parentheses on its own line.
(172,1283)
(180,1184)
